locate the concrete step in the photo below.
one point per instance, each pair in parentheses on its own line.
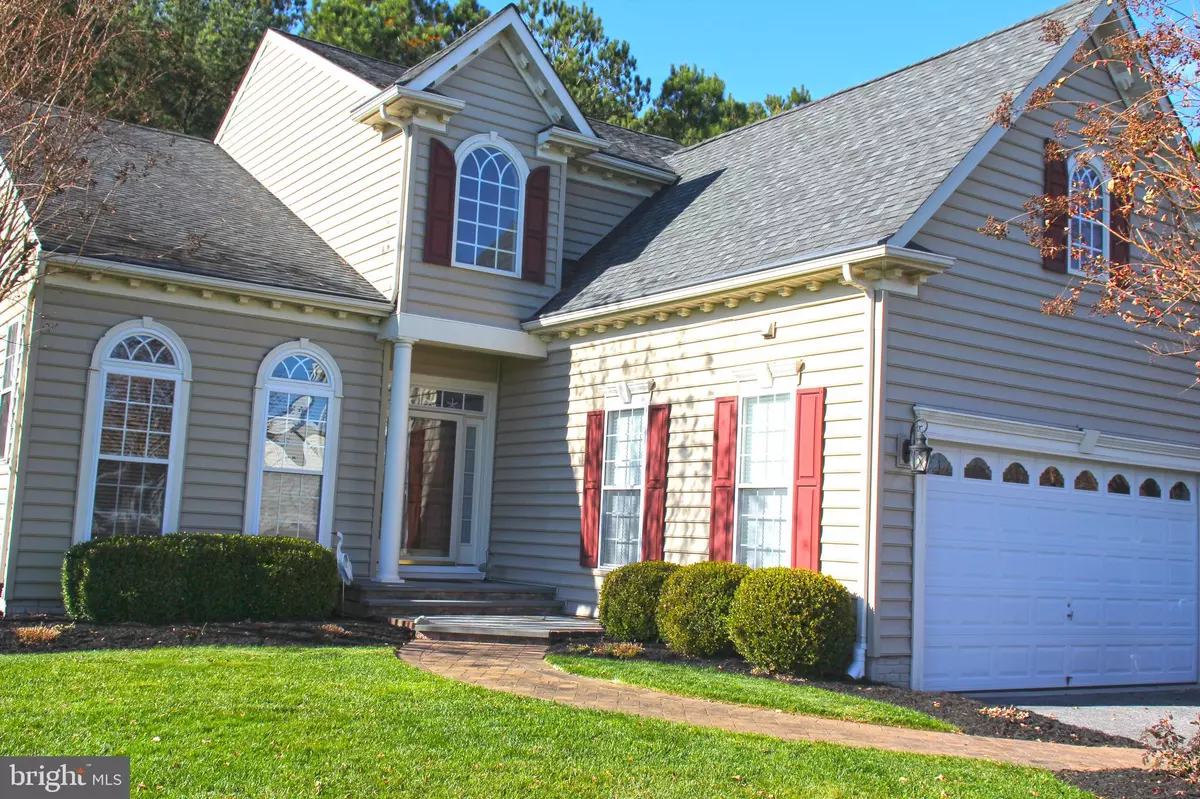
(493,606)
(428,589)
(513,629)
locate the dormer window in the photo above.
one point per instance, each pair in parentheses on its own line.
(1087,236)
(489,203)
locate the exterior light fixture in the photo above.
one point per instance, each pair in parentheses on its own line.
(915,450)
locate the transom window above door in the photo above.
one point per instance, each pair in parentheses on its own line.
(447,400)
(491,177)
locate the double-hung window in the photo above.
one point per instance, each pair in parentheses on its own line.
(764,474)
(9,375)
(294,450)
(623,481)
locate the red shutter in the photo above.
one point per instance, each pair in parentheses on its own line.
(1118,239)
(658,425)
(1055,184)
(724,479)
(439,205)
(593,461)
(806,497)
(537,225)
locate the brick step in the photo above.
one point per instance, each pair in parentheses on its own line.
(379,607)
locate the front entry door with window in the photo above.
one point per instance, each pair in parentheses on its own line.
(443,504)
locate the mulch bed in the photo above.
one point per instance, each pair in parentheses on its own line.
(80,636)
(1129,784)
(953,708)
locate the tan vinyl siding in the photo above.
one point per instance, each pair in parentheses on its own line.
(975,340)
(497,100)
(291,129)
(226,350)
(543,407)
(453,364)
(592,211)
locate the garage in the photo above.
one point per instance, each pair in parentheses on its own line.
(1052,572)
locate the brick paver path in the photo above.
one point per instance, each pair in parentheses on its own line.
(520,669)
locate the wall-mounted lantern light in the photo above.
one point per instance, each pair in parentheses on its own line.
(915,450)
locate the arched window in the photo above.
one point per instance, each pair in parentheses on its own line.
(1118,485)
(1087,239)
(293,445)
(977,469)
(1015,473)
(1051,478)
(490,207)
(1150,488)
(1181,491)
(940,465)
(131,469)
(1086,481)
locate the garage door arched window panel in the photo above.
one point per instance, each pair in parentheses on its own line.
(1150,488)
(131,474)
(1181,492)
(1051,477)
(294,444)
(940,466)
(1117,484)
(977,469)
(1016,473)
(1086,481)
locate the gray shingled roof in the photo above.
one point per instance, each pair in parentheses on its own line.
(844,171)
(193,210)
(632,145)
(377,72)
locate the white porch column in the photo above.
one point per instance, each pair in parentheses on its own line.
(395,463)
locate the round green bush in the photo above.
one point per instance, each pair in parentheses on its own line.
(693,610)
(792,620)
(629,600)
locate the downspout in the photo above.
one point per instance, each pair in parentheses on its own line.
(858,665)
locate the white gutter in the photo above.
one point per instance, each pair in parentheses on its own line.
(160,275)
(629,167)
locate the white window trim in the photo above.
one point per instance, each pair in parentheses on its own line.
(14,390)
(89,456)
(622,396)
(469,145)
(1095,163)
(764,384)
(258,428)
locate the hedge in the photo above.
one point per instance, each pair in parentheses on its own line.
(198,577)
(694,608)
(629,600)
(793,620)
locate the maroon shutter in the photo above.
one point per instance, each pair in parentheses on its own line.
(1118,238)
(806,497)
(537,225)
(593,461)
(658,424)
(1055,184)
(439,205)
(724,477)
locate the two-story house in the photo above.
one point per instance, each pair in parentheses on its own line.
(436,309)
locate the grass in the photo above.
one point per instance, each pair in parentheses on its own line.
(742,689)
(356,722)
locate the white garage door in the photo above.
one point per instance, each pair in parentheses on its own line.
(1045,573)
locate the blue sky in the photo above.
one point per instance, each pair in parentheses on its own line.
(770,45)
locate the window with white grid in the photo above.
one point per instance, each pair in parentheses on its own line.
(764,473)
(622,479)
(1087,238)
(10,350)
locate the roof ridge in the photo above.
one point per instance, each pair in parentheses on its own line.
(346,50)
(884,76)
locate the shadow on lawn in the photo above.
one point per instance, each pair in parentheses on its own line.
(34,634)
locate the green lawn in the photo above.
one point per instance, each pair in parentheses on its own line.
(356,722)
(742,689)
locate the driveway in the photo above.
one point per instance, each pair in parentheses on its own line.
(1118,711)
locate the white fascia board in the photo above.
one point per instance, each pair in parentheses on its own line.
(569,138)
(606,161)
(984,146)
(462,335)
(123,269)
(407,97)
(790,268)
(466,50)
(958,427)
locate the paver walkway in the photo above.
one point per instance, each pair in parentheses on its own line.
(520,669)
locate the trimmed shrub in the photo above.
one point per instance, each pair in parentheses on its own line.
(629,600)
(793,620)
(693,610)
(198,577)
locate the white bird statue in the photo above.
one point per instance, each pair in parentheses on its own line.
(345,569)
